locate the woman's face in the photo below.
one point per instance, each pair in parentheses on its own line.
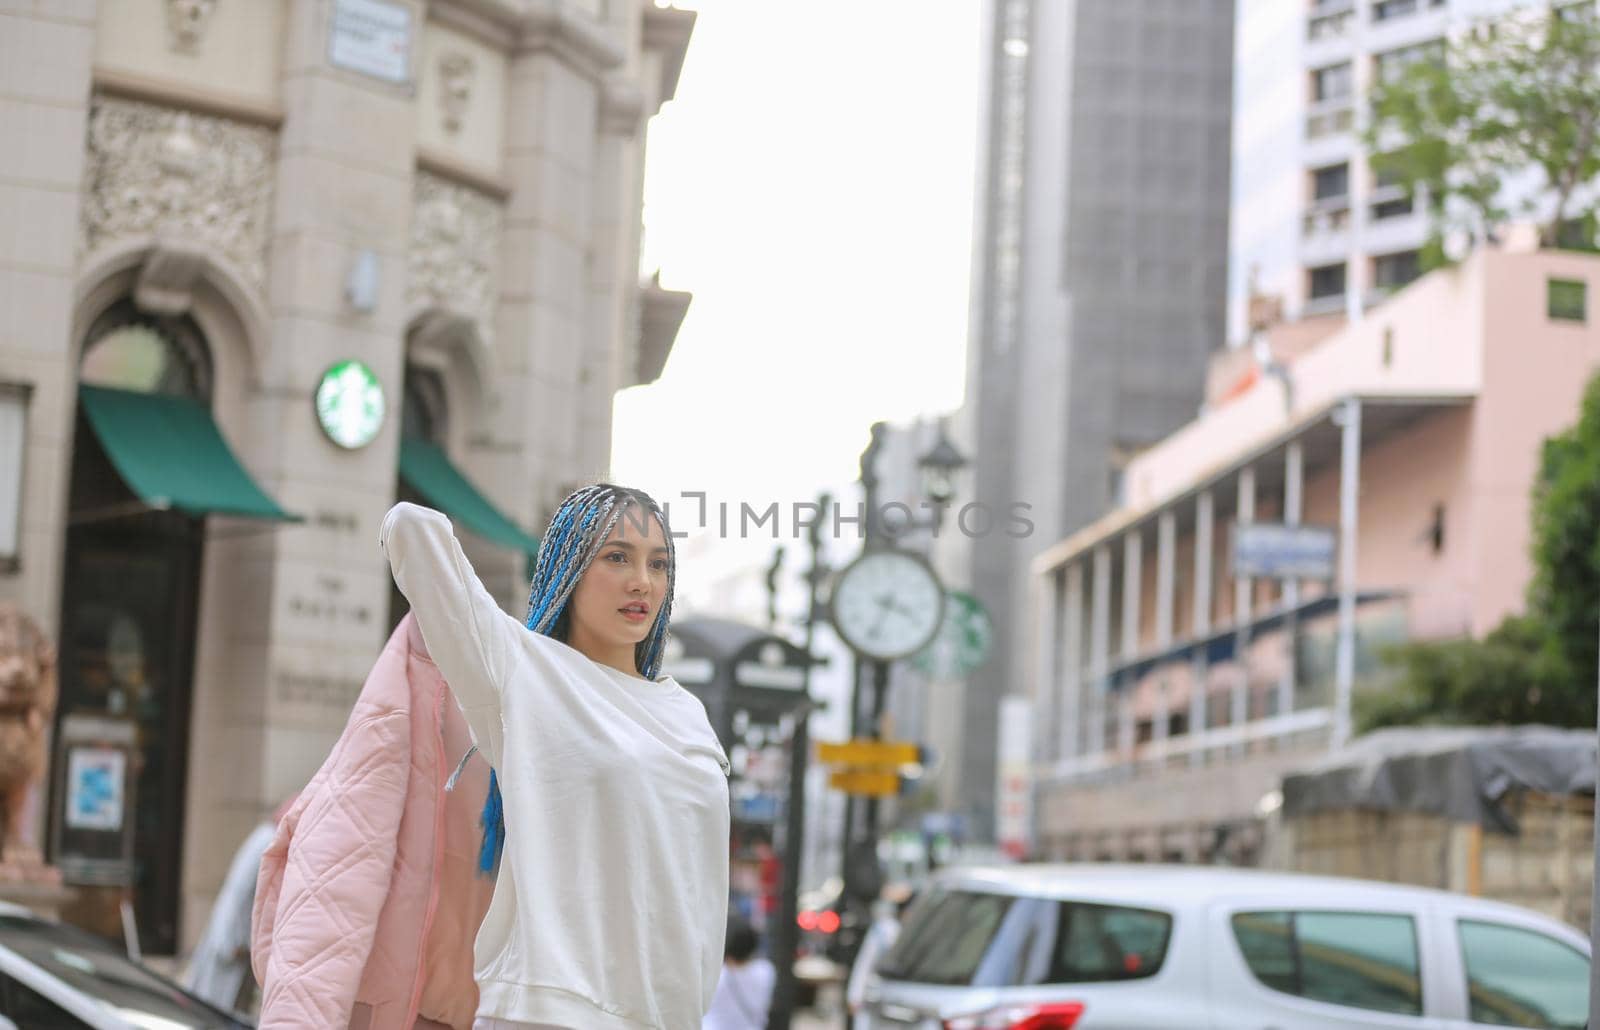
(616,603)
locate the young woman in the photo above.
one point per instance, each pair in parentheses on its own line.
(610,904)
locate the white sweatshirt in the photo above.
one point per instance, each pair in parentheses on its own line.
(611,904)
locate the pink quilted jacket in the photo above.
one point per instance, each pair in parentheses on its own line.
(368,898)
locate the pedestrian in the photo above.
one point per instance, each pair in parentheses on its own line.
(880,937)
(219,969)
(606,821)
(744,988)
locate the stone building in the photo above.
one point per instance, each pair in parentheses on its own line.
(266,266)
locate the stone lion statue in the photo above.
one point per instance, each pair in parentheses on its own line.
(27,704)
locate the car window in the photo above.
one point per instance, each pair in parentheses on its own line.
(945,937)
(31,1010)
(86,964)
(1518,977)
(1356,959)
(987,940)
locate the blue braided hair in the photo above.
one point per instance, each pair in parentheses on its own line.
(581,524)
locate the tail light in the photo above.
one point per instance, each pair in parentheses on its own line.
(826,921)
(1054,1015)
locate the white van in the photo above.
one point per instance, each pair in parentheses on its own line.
(1145,947)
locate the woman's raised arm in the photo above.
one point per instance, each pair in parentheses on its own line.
(461,623)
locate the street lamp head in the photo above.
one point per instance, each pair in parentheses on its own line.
(939,468)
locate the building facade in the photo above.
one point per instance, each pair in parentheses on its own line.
(269,267)
(1312,224)
(1098,281)
(1173,693)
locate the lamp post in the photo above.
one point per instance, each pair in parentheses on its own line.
(786,936)
(939,467)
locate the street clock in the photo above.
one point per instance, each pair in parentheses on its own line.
(887,604)
(350,404)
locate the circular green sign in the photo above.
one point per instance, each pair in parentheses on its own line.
(962,642)
(350,404)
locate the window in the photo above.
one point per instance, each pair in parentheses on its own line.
(1581,10)
(1384,178)
(1566,300)
(988,940)
(1392,64)
(1355,959)
(13,449)
(1329,20)
(1518,977)
(1391,209)
(1330,183)
(128,349)
(1383,10)
(1327,281)
(1576,234)
(28,1008)
(1331,83)
(946,937)
(86,964)
(1392,271)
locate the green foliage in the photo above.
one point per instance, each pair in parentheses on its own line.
(1522,91)
(1504,678)
(1565,592)
(1539,667)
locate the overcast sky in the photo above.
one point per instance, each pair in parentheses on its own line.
(811,185)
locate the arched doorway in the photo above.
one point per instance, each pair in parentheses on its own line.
(129,599)
(429,476)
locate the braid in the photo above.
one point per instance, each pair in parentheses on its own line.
(581,524)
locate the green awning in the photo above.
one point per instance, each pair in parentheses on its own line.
(426,470)
(171,454)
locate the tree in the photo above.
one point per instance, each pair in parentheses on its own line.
(1504,678)
(1519,92)
(1565,593)
(1541,666)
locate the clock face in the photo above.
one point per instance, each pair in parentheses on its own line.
(887,604)
(350,404)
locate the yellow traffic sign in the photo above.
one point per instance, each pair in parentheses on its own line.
(868,753)
(867,782)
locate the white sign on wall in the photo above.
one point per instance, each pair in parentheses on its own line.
(13,423)
(1014,820)
(95,787)
(372,37)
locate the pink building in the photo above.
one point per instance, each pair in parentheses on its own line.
(1414,438)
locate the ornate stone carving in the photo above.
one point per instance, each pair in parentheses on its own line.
(27,702)
(186,23)
(456,72)
(455,244)
(160,171)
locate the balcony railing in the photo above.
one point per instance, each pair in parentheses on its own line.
(1329,215)
(1330,20)
(1330,117)
(1221,738)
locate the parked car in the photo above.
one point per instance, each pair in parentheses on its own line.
(54,977)
(1108,947)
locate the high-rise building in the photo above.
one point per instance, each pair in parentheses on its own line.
(1313,226)
(1098,289)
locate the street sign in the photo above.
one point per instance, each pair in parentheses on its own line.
(867,753)
(865,782)
(1271,550)
(962,642)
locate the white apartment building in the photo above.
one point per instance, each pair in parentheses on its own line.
(1312,225)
